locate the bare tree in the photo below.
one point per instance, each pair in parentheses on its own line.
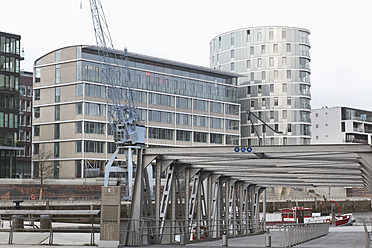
(43,166)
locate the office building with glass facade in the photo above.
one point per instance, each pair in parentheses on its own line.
(10,58)
(180,105)
(276,63)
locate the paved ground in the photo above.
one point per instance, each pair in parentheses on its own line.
(348,237)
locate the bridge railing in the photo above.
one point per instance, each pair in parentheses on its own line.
(294,234)
(180,231)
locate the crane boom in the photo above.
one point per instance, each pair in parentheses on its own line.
(120,96)
(124,119)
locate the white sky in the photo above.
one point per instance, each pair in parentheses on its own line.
(181,30)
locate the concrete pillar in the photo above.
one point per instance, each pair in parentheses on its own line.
(45,222)
(17,223)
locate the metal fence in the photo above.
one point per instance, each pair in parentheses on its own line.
(50,225)
(294,234)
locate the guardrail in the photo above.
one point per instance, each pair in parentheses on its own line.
(294,234)
(35,198)
(50,225)
(181,231)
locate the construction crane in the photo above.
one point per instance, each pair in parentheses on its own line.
(124,119)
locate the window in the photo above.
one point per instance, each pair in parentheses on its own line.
(37,112)
(182,135)
(259,36)
(79,89)
(95,109)
(232,124)
(259,62)
(183,119)
(200,137)
(200,105)
(36,131)
(289,128)
(94,146)
(56,149)
(276,74)
(271,34)
(216,123)
(288,47)
(275,48)
(284,34)
(271,61)
(58,56)
(284,61)
(289,74)
(184,103)
(36,148)
(232,140)
(232,40)
(248,64)
(232,67)
(259,89)
(263,102)
(284,114)
(248,90)
(56,131)
(216,107)
(78,127)
(252,50)
(316,126)
(284,87)
(252,103)
(78,144)
(160,116)
(252,76)
(160,133)
(263,50)
(289,101)
(248,36)
(276,101)
(216,138)
(200,121)
(263,75)
(57,94)
(271,88)
(79,108)
(58,74)
(57,113)
(316,114)
(285,142)
(232,54)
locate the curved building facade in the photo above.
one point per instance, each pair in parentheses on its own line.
(276,63)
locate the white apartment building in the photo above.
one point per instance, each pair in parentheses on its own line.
(341,125)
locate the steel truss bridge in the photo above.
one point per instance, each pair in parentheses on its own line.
(211,191)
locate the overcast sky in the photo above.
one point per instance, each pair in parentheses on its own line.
(181,30)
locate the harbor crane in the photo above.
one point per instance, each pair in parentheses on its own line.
(124,119)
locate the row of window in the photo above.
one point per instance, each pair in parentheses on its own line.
(158,67)
(164,83)
(266,90)
(303,103)
(9,45)
(9,64)
(9,82)
(8,120)
(248,37)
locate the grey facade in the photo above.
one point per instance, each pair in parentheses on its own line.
(276,88)
(180,105)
